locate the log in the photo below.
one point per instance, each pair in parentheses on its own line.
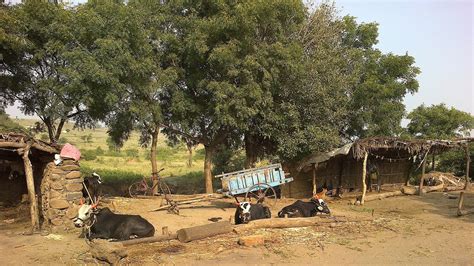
(468,161)
(439,187)
(8,144)
(453,188)
(111,252)
(409,190)
(151,239)
(364,173)
(289,223)
(380,196)
(202,231)
(30,183)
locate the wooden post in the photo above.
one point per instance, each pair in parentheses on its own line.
(314,179)
(460,202)
(364,173)
(31,189)
(468,161)
(422,178)
(339,182)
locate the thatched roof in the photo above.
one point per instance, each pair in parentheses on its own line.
(18,141)
(401,149)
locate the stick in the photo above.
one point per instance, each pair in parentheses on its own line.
(364,173)
(149,239)
(460,202)
(182,203)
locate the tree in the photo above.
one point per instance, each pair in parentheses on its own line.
(381,82)
(35,70)
(439,122)
(226,66)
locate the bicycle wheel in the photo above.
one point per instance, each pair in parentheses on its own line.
(137,189)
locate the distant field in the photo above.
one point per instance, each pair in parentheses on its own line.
(132,162)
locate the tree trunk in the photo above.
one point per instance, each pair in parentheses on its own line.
(31,189)
(190,155)
(154,167)
(208,168)
(315,188)
(250,155)
(59,129)
(49,124)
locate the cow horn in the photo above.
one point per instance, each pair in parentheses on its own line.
(94,205)
(236,199)
(81,201)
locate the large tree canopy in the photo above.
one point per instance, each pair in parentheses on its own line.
(439,122)
(35,69)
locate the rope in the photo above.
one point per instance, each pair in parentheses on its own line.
(88,194)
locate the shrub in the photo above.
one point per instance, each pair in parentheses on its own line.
(62,140)
(89,155)
(133,153)
(99,151)
(44,137)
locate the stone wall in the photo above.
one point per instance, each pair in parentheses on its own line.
(61,192)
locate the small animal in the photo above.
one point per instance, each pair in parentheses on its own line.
(246,212)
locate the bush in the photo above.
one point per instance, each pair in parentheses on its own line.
(133,153)
(62,140)
(99,151)
(44,137)
(454,161)
(228,160)
(89,155)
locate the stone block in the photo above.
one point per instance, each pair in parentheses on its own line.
(70,167)
(56,185)
(57,221)
(72,212)
(73,196)
(251,241)
(56,177)
(69,162)
(72,181)
(54,194)
(58,171)
(73,175)
(51,214)
(58,204)
(74,187)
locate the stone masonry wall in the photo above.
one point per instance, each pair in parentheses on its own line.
(61,192)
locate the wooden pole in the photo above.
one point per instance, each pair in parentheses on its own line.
(460,202)
(422,178)
(31,189)
(364,173)
(468,161)
(314,179)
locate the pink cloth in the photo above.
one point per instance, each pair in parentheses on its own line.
(70,151)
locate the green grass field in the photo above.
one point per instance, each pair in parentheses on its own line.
(132,161)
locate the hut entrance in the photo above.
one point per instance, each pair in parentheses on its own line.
(22,162)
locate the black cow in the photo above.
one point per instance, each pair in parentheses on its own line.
(93,185)
(108,225)
(245,212)
(304,209)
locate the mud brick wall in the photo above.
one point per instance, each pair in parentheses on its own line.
(61,192)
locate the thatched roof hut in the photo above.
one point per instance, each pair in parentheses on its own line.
(344,167)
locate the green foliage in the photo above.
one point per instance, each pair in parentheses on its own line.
(87,138)
(99,151)
(454,161)
(89,155)
(8,125)
(380,83)
(133,153)
(44,137)
(228,160)
(112,146)
(62,140)
(439,122)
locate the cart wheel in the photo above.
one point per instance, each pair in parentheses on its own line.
(262,193)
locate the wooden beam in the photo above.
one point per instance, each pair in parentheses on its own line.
(44,148)
(364,173)
(30,183)
(460,202)
(314,179)
(468,161)
(422,178)
(9,144)
(151,239)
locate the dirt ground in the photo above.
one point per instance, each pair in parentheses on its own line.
(401,230)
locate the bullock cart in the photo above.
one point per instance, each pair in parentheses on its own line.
(256,184)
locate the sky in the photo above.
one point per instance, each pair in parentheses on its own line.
(437,33)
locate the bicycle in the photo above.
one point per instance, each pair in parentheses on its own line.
(143,188)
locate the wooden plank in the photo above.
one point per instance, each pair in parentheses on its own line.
(364,173)
(34,213)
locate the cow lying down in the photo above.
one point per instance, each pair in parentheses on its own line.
(246,212)
(305,209)
(107,225)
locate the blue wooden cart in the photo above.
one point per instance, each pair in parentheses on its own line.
(255,184)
